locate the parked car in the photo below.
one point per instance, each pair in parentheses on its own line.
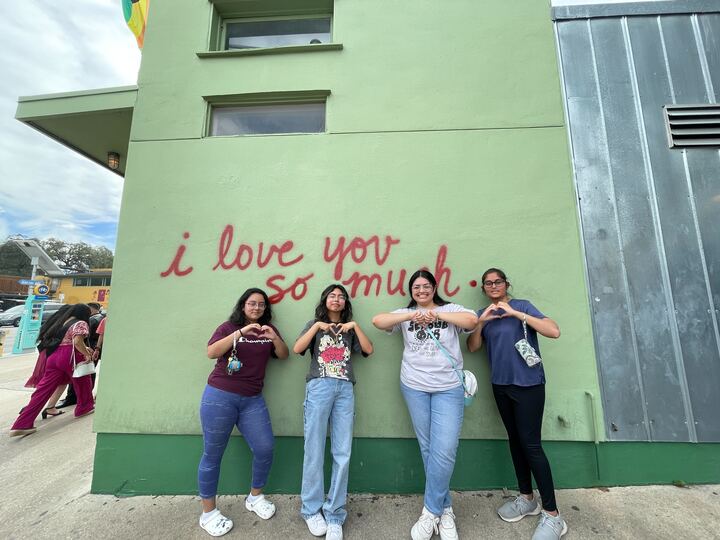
(12,316)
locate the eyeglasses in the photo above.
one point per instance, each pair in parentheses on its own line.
(260,305)
(423,287)
(495,283)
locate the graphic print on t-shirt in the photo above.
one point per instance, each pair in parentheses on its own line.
(423,343)
(333,356)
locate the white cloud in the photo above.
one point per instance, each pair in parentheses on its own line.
(45,188)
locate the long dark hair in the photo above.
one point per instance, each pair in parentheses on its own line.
(46,327)
(437,299)
(53,331)
(321,311)
(237,317)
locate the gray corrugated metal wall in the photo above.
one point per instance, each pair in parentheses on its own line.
(650,217)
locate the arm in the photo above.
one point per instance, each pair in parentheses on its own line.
(281,349)
(365,343)
(475,340)
(546,327)
(385,321)
(461,319)
(98,348)
(221,346)
(303,342)
(79,344)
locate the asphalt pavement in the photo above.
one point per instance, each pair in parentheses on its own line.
(45,479)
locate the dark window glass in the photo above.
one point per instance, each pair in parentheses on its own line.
(268,119)
(80,282)
(280,33)
(97,281)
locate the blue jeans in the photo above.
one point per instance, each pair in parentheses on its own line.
(437,419)
(333,400)
(220,411)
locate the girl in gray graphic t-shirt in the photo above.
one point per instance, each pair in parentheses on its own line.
(332,337)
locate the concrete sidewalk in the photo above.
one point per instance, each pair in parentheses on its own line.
(46,494)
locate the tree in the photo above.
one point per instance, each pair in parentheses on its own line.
(13,262)
(77,257)
(71,257)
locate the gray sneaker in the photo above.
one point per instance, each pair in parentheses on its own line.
(550,527)
(513,511)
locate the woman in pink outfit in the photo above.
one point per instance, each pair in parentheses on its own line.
(59,369)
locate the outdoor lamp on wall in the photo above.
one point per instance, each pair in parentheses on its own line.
(113,160)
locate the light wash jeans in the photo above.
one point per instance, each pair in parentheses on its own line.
(220,411)
(333,400)
(437,418)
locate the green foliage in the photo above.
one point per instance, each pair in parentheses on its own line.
(13,262)
(72,257)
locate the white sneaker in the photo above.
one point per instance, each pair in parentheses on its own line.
(317,525)
(425,526)
(262,507)
(334,532)
(447,525)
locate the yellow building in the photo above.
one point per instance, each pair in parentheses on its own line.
(93,286)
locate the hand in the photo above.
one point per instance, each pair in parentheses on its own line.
(418,317)
(96,354)
(347,327)
(267,332)
(251,326)
(509,312)
(491,313)
(431,317)
(319,325)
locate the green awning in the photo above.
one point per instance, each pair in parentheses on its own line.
(91,122)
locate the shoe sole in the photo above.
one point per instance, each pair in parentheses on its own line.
(535,512)
(22,432)
(565,529)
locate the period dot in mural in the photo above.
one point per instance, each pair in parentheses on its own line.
(186,235)
(473,283)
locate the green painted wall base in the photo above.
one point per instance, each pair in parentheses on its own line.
(134,464)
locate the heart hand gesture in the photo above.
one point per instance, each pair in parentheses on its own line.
(492,312)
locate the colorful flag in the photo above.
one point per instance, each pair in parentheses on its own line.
(135,12)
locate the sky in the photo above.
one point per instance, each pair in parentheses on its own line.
(50,46)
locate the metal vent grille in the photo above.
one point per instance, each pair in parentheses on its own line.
(690,126)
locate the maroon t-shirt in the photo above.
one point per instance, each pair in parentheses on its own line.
(254,353)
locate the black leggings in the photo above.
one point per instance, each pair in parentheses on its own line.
(521,410)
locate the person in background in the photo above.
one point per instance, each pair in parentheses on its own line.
(332,337)
(46,343)
(241,348)
(519,392)
(433,392)
(72,329)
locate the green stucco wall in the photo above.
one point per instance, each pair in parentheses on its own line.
(445,131)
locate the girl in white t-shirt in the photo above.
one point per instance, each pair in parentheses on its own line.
(432,390)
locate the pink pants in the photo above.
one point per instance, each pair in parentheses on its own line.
(58,370)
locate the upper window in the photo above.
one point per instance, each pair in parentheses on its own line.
(244,34)
(267,119)
(260,27)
